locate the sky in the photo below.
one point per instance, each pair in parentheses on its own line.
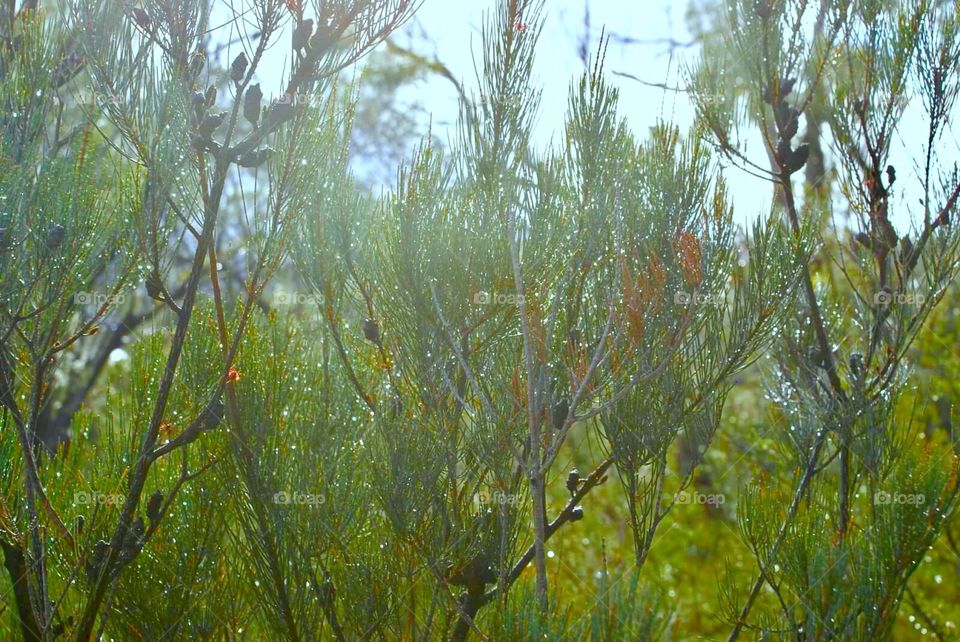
(454,27)
(450,31)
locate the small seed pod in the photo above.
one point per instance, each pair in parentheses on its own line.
(787,85)
(133,542)
(95,560)
(560,411)
(906,250)
(210,124)
(254,158)
(277,113)
(371,330)
(797,159)
(251,104)
(196,63)
(302,33)
(791,123)
(238,68)
(213,414)
(199,102)
(153,506)
(154,286)
(885,229)
(55,236)
(785,88)
(210,97)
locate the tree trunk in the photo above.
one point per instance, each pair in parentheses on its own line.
(14,561)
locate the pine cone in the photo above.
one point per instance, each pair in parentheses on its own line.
(210,124)
(302,33)
(154,287)
(371,330)
(770,96)
(906,251)
(251,104)
(573,481)
(132,543)
(196,63)
(238,69)
(560,411)
(213,414)
(786,118)
(154,505)
(94,562)
(55,237)
(255,158)
(210,98)
(796,159)
(885,231)
(277,113)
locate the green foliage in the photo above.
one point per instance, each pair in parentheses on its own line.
(412,436)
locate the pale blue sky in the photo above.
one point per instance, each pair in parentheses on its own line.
(453,29)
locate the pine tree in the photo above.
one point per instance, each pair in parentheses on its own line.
(850,69)
(330,415)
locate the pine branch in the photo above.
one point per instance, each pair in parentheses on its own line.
(808,474)
(142,468)
(15,563)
